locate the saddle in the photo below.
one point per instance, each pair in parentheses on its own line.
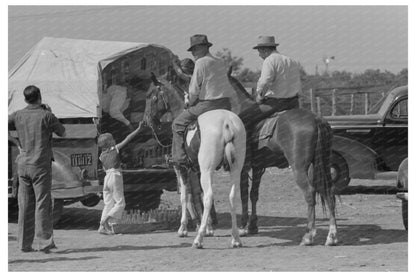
(264,129)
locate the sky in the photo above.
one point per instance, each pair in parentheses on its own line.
(359,37)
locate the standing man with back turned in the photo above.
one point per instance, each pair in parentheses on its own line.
(35,125)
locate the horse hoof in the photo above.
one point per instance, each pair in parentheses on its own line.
(306,242)
(183,234)
(243,232)
(331,241)
(197,245)
(236,244)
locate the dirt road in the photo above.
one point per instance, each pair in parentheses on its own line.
(370,231)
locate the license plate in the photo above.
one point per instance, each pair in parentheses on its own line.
(82,159)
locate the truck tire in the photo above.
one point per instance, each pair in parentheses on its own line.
(91,201)
(339,172)
(143,200)
(404,213)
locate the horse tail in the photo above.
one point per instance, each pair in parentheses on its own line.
(322,180)
(229,149)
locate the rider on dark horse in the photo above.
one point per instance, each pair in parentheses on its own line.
(209,89)
(279,84)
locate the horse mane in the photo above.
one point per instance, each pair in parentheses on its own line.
(244,99)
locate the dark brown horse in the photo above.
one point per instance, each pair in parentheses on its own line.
(300,140)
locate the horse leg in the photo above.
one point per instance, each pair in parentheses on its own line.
(235,179)
(182,179)
(331,239)
(254,197)
(198,204)
(309,192)
(244,202)
(206,183)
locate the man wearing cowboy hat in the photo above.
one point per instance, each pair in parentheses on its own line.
(209,89)
(279,84)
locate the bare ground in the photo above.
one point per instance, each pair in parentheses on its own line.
(370,231)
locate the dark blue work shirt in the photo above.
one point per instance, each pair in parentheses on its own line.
(34,126)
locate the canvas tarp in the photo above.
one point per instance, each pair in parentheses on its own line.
(68,73)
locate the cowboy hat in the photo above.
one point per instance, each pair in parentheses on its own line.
(265,41)
(199,40)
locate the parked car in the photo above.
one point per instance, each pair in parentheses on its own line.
(371,146)
(403,187)
(72,76)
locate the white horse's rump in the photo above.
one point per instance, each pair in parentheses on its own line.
(222,132)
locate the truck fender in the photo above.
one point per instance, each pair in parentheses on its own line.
(361,159)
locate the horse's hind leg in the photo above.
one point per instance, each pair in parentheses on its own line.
(331,239)
(206,183)
(183,182)
(235,180)
(254,197)
(244,202)
(302,179)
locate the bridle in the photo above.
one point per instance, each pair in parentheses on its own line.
(154,98)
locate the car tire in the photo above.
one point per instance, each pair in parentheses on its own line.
(339,172)
(404,213)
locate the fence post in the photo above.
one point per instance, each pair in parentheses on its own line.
(312,96)
(352,103)
(334,102)
(366,103)
(318,105)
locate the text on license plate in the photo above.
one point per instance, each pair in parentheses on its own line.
(81,159)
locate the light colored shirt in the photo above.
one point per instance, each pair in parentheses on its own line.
(280,77)
(209,80)
(34,126)
(115,102)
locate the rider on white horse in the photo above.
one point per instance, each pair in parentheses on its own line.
(209,89)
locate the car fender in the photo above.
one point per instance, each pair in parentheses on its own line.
(63,175)
(361,159)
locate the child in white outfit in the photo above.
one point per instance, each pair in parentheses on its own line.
(113,192)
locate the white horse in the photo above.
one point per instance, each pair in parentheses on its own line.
(223,139)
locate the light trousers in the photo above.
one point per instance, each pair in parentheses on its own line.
(113,194)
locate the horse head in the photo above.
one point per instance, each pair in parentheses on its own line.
(156,102)
(162,97)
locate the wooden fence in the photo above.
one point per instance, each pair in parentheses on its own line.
(341,101)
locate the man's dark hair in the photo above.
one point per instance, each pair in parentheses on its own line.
(32,94)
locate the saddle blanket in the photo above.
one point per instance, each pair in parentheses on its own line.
(266,127)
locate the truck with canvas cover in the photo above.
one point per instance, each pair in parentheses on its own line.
(74,76)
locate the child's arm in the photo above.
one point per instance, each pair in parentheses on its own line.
(129,137)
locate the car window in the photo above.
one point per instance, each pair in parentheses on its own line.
(400,111)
